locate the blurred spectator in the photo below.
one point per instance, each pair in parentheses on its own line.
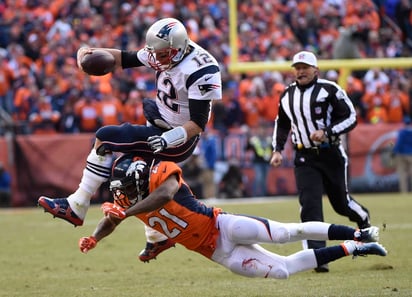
(6,82)
(252,99)
(24,101)
(87,112)
(397,103)
(271,102)
(5,186)
(332,75)
(133,108)
(402,151)
(209,151)
(192,172)
(346,46)
(260,143)
(69,121)
(231,184)
(43,119)
(355,91)
(110,109)
(403,17)
(376,110)
(227,113)
(375,78)
(38,45)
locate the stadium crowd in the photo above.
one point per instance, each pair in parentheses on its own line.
(44,92)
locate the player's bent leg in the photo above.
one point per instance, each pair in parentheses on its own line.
(73,209)
(156,243)
(242,229)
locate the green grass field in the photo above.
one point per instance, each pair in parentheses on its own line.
(39,257)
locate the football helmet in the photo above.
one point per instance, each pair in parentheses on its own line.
(129,182)
(166,43)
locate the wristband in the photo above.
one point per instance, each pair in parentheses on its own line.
(175,137)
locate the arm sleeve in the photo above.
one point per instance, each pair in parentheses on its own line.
(281,130)
(199,112)
(130,60)
(343,114)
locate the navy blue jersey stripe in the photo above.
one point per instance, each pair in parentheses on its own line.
(212,69)
(185,198)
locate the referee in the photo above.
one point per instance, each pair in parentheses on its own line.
(317,112)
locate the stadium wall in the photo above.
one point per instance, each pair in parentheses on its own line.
(52,165)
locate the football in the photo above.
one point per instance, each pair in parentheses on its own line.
(98,62)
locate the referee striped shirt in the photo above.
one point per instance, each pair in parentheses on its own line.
(320,105)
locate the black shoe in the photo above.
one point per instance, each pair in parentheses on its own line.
(153,249)
(322,269)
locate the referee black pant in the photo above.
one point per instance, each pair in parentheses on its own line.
(324,170)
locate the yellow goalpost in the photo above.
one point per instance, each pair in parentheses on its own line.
(344,66)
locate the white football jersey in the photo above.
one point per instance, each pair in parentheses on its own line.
(196,77)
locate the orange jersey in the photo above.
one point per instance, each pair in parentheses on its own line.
(184,219)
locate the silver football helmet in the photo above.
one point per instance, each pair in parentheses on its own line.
(166,43)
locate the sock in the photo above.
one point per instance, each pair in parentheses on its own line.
(340,232)
(301,261)
(330,253)
(153,236)
(349,247)
(97,171)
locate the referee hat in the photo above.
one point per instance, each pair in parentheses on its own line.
(305,57)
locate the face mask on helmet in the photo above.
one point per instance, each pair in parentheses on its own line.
(130,181)
(166,43)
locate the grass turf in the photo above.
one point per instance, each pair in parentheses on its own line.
(39,257)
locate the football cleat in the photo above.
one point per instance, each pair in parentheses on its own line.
(60,208)
(369,248)
(322,268)
(153,249)
(370,234)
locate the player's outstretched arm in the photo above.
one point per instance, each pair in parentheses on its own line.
(85,51)
(105,227)
(159,197)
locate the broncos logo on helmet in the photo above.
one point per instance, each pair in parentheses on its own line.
(130,180)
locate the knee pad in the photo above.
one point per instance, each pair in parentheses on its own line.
(280,273)
(281,234)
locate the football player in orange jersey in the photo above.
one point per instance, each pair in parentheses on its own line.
(188,79)
(157,194)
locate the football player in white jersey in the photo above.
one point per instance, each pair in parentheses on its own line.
(187,79)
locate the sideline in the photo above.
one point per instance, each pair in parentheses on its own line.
(248,200)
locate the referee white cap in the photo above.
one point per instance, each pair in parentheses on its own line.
(306,58)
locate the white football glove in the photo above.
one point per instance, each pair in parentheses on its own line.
(168,139)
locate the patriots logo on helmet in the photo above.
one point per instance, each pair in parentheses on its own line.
(207,88)
(165,31)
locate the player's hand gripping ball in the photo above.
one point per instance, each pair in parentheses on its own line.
(98,62)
